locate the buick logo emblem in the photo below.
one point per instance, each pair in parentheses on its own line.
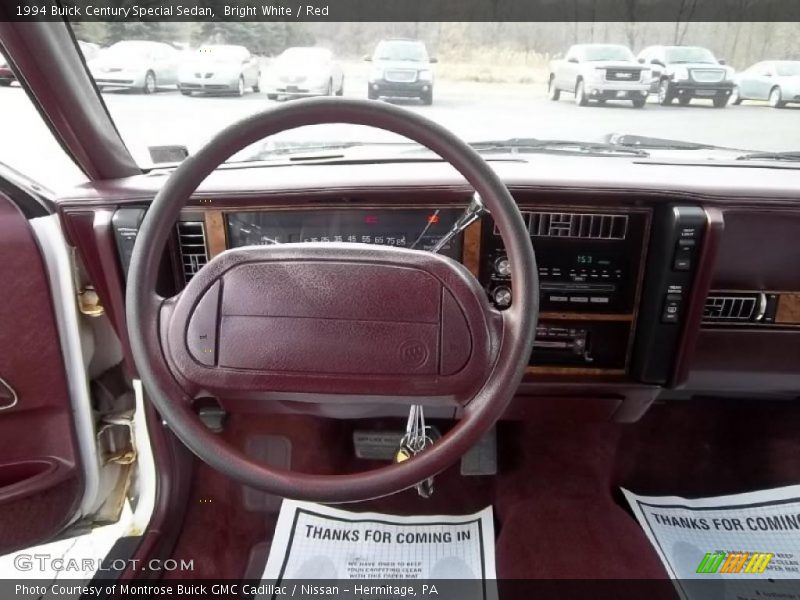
(413,353)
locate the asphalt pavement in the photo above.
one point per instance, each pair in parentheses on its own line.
(475,111)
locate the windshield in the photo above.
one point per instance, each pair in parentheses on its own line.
(221,53)
(300,55)
(595,53)
(486,82)
(690,55)
(127,49)
(398,50)
(788,69)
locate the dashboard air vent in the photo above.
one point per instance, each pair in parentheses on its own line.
(192,242)
(733,308)
(578,225)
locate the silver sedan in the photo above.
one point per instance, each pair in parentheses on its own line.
(777,81)
(136,64)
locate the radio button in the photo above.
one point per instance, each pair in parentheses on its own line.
(672,309)
(559,299)
(579,299)
(682,264)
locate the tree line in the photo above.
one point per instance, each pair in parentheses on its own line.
(740,43)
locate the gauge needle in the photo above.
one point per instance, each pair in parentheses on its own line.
(431,220)
(471,214)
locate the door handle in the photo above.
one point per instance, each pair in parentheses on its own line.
(8,397)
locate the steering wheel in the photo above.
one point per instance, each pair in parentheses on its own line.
(282,322)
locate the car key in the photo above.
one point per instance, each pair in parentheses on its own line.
(414,441)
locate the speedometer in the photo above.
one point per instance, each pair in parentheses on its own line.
(418,229)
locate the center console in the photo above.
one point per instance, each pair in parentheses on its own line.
(590,272)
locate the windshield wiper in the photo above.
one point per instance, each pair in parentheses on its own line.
(654,143)
(310,151)
(532,145)
(790,156)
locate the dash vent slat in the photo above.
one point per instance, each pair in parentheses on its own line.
(192,243)
(578,225)
(730,308)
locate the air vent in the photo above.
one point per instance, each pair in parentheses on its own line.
(578,225)
(192,242)
(733,308)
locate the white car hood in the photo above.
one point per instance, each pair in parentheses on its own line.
(696,66)
(615,64)
(300,69)
(210,65)
(123,63)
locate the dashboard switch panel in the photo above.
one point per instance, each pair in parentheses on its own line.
(677,235)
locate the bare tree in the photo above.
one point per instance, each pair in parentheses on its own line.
(685,12)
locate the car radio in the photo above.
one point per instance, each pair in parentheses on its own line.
(587,261)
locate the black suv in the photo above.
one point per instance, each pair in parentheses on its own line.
(686,72)
(401,69)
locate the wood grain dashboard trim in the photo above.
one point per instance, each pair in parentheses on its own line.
(216,238)
(471,256)
(788,312)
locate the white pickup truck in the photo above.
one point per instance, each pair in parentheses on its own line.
(599,72)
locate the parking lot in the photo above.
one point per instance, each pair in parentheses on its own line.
(475,111)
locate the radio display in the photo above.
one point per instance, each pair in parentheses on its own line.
(418,229)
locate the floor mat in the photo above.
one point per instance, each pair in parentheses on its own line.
(557,506)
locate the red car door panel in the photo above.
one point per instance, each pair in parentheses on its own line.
(40,479)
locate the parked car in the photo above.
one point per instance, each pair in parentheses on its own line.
(304,71)
(688,72)
(599,72)
(401,68)
(136,64)
(6,74)
(219,68)
(775,80)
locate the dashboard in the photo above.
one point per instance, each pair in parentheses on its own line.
(590,263)
(648,289)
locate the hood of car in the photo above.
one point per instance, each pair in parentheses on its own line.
(616,64)
(696,66)
(208,64)
(117,63)
(411,65)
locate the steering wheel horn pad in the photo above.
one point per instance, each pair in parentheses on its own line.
(419,331)
(331,321)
